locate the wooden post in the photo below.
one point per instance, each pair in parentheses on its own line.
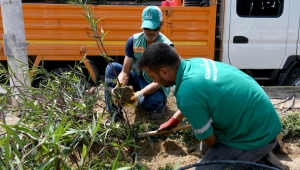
(15,41)
(15,45)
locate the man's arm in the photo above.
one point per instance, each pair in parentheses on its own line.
(128,60)
(124,74)
(178,115)
(150,88)
(210,141)
(172,122)
(176,119)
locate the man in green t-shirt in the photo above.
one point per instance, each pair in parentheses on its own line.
(228,110)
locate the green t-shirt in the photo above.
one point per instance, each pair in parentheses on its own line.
(216,97)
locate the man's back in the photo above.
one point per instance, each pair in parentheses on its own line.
(240,112)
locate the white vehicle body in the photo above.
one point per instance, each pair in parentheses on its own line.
(262,41)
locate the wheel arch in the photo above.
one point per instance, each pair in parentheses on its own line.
(292,63)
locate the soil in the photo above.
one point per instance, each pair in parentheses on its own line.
(159,153)
(125,93)
(171,151)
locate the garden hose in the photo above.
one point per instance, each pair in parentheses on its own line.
(252,164)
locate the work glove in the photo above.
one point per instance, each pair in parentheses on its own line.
(137,96)
(114,98)
(170,124)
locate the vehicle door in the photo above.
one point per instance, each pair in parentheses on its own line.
(258,33)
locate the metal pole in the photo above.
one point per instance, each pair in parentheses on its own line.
(15,41)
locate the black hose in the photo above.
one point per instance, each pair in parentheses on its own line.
(252,164)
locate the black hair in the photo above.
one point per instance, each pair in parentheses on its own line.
(158,55)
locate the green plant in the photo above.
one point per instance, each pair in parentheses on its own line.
(60,128)
(187,137)
(290,125)
(167,167)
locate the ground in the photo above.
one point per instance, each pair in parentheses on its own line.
(170,152)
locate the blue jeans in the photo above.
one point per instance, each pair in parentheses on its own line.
(223,152)
(154,102)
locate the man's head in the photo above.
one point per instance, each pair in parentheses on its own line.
(152,22)
(160,61)
(151,17)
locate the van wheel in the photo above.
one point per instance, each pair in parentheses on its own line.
(293,79)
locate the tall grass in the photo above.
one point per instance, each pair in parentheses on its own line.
(59,127)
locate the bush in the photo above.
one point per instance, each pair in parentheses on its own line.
(290,125)
(60,128)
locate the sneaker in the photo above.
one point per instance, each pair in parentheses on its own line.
(118,116)
(275,162)
(156,115)
(279,148)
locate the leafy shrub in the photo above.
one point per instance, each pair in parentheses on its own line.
(167,167)
(59,126)
(291,125)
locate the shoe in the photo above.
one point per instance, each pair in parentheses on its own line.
(156,115)
(117,116)
(275,162)
(279,148)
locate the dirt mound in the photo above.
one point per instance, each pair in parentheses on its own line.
(124,93)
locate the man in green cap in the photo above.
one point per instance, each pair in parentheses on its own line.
(149,95)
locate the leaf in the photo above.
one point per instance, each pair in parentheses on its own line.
(43,165)
(114,144)
(177,163)
(35,102)
(79,105)
(93,124)
(125,168)
(86,17)
(13,133)
(45,148)
(2,141)
(75,131)
(99,20)
(102,32)
(134,145)
(49,122)
(116,160)
(97,127)
(28,132)
(7,152)
(18,161)
(83,154)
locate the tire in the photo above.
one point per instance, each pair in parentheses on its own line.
(293,79)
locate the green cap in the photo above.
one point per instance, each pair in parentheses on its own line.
(151,17)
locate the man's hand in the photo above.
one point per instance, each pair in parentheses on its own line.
(170,124)
(137,96)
